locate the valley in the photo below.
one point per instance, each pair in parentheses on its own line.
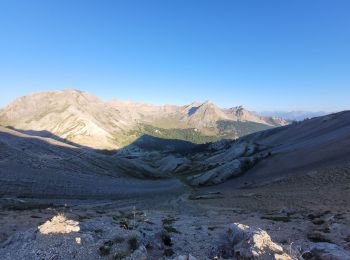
(174,130)
(255,191)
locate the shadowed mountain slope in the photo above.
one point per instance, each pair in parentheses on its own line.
(37,166)
(300,148)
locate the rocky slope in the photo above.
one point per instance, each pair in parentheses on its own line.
(264,156)
(36,166)
(274,154)
(84,119)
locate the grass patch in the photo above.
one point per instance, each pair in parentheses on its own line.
(168,221)
(279,218)
(124,223)
(105,249)
(318,236)
(133,242)
(171,229)
(168,252)
(120,255)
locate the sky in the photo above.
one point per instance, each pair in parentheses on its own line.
(264,55)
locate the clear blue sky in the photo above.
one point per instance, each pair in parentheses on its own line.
(265,55)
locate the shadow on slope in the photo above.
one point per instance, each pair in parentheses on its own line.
(44,134)
(145,142)
(35,167)
(48,134)
(152,143)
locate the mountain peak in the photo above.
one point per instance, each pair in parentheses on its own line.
(72,90)
(87,120)
(208,103)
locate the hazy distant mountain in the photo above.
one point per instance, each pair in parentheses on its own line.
(86,120)
(293,115)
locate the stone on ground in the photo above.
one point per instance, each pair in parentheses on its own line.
(249,242)
(59,224)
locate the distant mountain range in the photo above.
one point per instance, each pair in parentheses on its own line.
(81,118)
(293,115)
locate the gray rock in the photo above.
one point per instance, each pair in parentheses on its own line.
(250,243)
(218,174)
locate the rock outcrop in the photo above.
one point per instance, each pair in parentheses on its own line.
(254,243)
(233,160)
(59,225)
(218,174)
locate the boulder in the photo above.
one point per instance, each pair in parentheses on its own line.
(249,242)
(170,163)
(59,224)
(235,151)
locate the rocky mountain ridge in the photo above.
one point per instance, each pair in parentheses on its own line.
(86,120)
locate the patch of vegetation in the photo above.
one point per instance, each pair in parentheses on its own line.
(120,255)
(318,236)
(166,239)
(147,221)
(168,252)
(171,229)
(35,216)
(167,225)
(83,217)
(124,223)
(28,206)
(98,231)
(133,242)
(318,221)
(234,129)
(281,218)
(105,249)
(227,130)
(149,246)
(116,218)
(168,221)
(185,134)
(325,230)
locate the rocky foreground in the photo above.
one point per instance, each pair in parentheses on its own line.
(196,225)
